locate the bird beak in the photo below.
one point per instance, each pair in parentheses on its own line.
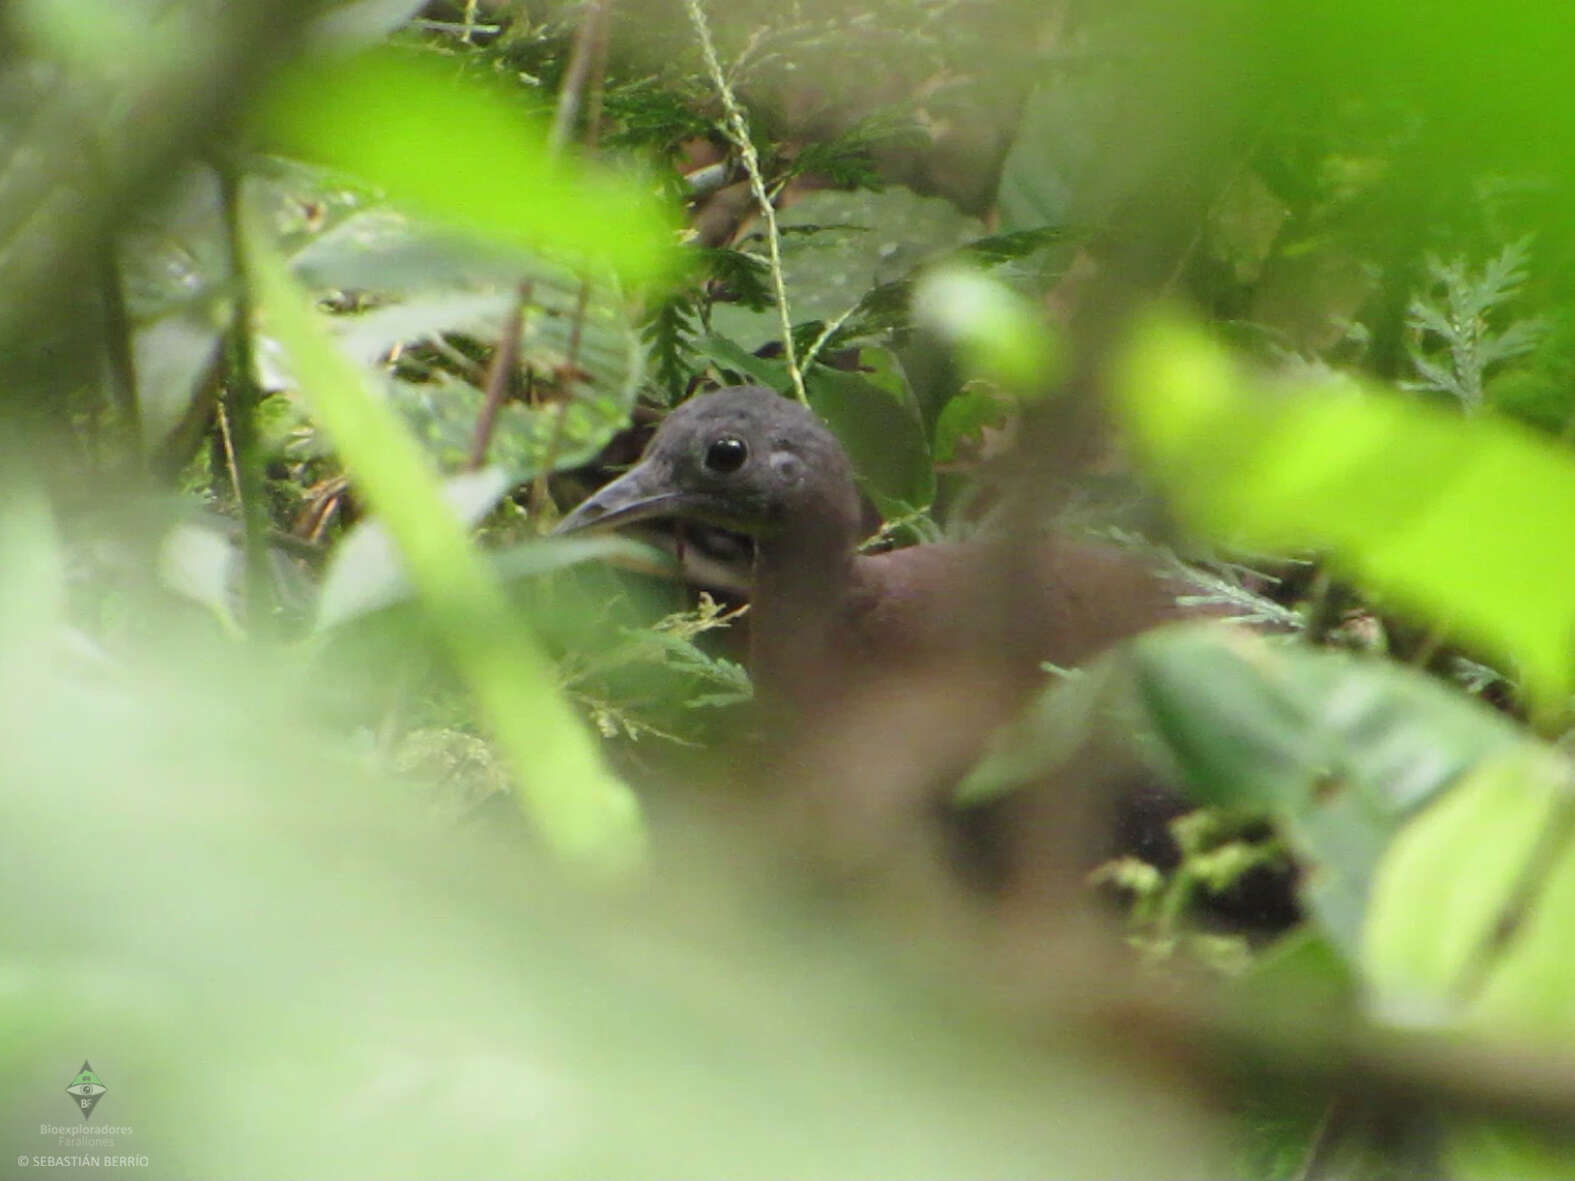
(634,496)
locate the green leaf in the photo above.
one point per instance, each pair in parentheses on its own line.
(206,566)
(533,559)
(353,24)
(998,333)
(583,811)
(1441,911)
(465,152)
(838,246)
(384,250)
(882,433)
(964,418)
(1459,520)
(1341,750)
(365,573)
(746,365)
(170,356)
(440,286)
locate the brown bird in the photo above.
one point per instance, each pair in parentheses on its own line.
(885,674)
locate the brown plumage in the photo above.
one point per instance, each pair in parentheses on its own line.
(884,675)
(827,620)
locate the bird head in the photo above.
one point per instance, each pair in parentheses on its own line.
(744,459)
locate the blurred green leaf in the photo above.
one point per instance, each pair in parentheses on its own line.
(365,573)
(1465,857)
(465,152)
(33,573)
(1479,1150)
(353,24)
(584,812)
(1469,928)
(1340,750)
(205,565)
(1455,519)
(197,855)
(531,559)
(999,334)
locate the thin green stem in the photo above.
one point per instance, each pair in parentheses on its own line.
(738,132)
(239,407)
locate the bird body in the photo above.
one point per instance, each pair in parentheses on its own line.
(822,614)
(884,674)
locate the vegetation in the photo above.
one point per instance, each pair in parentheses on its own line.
(355,826)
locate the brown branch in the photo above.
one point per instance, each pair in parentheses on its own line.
(583,55)
(500,375)
(538,492)
(602,36)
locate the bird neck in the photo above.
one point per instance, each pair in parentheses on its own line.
(802,580)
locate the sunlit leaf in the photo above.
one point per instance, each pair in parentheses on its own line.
(999,334)
(1440,910)
(467,153)
(1456,519)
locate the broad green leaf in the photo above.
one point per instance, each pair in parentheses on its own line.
(465,152)
(1441,898)
(1341,750)
(1457,519)
(1469,928)
(532,559)
(443,413)
(583,811)
(732,356)
(837,246)
(883,434)
(383,250)
(366,575)
(170,357)
(435,284)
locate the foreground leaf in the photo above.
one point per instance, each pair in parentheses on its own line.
(465,152)
(583,811)
(1460,520)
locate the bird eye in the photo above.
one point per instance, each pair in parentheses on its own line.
(726,454)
